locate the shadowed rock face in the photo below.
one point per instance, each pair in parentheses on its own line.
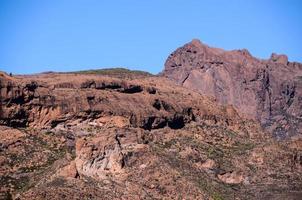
(269,91)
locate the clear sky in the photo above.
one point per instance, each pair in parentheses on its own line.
(67,35)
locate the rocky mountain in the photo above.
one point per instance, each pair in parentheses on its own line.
(131,135)
(269,91)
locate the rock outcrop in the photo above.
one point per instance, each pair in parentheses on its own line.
(268,91)
(47,100)
(92,136)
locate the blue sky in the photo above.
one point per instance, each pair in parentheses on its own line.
(67,35)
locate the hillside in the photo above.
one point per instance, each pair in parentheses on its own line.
(88,135)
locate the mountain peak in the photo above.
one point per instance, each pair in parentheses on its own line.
(237,78)
(197,42)
(279,58)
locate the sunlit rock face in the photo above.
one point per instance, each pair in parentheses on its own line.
(135,136)
(268,91)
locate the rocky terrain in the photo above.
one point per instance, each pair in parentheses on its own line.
(132,135)
(269,91)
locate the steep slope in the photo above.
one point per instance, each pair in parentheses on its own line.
(75,136)
(268,91)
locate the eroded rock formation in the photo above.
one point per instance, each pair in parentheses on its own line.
(89,136)
(268,91)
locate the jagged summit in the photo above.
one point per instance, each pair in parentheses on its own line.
(263,90)
(279,58)
(196,42)
(199,47)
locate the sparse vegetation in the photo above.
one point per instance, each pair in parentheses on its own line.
(91,135)
(213,188)
(116,72)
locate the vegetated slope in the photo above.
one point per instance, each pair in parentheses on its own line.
(116,72)
(75,136)
(268,91)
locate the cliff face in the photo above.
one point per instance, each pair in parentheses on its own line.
(47,100)
(268,91)
(96,136)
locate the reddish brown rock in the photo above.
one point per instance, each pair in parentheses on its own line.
(69,171)
(90,136)
(37,101)
(265,90)
(231,178)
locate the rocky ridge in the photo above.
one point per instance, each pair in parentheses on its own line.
(75,136)
(268,91)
